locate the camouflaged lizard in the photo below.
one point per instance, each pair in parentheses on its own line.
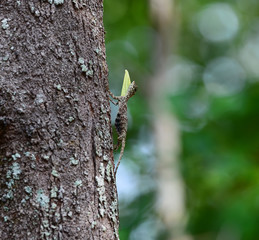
(121,121)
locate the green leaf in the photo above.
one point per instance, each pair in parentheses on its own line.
(126,83)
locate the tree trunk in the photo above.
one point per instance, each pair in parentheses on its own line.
(56,152)
(171,194)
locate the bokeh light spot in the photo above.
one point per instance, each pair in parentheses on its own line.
(249,55)
(218,22)
(224,76)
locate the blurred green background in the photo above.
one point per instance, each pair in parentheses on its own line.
(197,62)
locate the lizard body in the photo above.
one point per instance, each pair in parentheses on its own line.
(121,121)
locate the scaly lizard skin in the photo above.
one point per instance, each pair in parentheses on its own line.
(121,121)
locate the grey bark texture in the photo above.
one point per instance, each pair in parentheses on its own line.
(56,151)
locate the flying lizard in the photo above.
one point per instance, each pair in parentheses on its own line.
(121,122)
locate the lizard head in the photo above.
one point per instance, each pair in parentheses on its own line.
(132,90)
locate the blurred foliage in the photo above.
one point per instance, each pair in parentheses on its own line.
(214,94)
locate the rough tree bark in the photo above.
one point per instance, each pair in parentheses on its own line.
(56,158)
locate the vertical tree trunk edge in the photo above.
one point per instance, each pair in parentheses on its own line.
(56,151)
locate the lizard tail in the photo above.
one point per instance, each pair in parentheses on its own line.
(121,154)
